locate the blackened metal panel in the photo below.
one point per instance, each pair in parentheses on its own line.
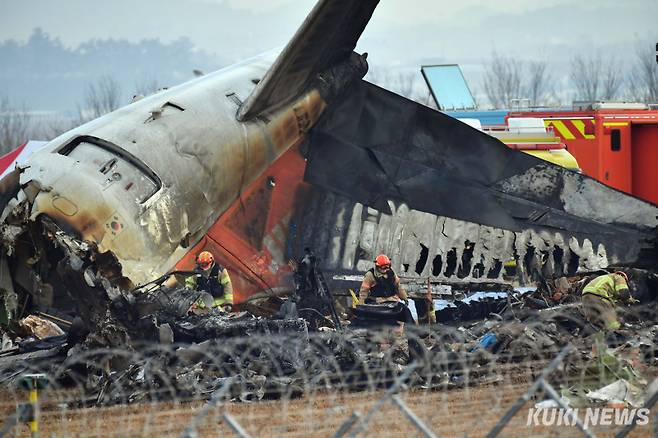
(374,146)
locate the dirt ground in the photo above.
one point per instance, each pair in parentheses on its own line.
(463,412)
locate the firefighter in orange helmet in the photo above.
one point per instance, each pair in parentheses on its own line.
(380,284)
(213,278)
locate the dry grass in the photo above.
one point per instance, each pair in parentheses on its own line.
(465,412)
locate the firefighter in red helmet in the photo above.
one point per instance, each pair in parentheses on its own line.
(380,284)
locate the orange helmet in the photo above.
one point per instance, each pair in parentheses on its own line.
(205,260)
(623,274)
(382,261)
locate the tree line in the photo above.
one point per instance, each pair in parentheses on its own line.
(593,76)
(507,81)
(47,88)
(48,75)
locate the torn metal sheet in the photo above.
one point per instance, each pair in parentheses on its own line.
(200,328)
(620,391)
(8,297)
(214,164)
(438,186)
(426,246)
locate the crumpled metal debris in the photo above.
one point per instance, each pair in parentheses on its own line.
(39,327)
(620,391)
(145,347)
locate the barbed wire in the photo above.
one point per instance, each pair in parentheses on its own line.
(464,378)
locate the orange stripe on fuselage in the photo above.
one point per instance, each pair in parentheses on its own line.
(254,256)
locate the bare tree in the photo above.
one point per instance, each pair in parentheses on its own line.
(53,127)
(379,76)
(595,78)
(538,87)
(146,86)
(502,80)
(413,88)
(643,77)
(14,125)
(405,84)
(611,79)
(586,72)
(101,98)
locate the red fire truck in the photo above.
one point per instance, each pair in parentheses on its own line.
(616,143)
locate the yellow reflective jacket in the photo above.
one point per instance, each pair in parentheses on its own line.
(607,286)
(224,280)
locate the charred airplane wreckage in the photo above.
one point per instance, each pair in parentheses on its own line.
(260,160)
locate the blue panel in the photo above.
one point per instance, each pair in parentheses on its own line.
(487,118)
(448,87)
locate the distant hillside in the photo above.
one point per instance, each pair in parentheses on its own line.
(42,74)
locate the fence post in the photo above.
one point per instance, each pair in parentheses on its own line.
(27,412)
(531,391)
(556,397)
(233,424)
(347,424)
(411,416)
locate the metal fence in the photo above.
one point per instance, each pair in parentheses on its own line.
(456,381)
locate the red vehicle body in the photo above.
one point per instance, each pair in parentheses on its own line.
(617,146)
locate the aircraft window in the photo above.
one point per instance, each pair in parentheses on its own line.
(118,170)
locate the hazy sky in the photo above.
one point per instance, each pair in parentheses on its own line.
(402,32)
(402,35)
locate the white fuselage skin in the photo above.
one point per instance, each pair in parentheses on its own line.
(202,155)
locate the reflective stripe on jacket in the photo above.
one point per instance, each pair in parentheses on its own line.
(226,299)
(606,286)
(223,279)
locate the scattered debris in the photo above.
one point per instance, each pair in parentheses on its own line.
(142,343)
(618,392)
(39,327)
(157,351)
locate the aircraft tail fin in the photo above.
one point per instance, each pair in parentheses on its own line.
(327,37)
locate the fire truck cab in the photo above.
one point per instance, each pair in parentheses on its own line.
(615,143)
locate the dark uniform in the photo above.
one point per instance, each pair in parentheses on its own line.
(378,287)
(215,281)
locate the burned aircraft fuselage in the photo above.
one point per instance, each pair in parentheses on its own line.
(221,163)
(147,181)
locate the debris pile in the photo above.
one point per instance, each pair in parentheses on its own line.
(167,354)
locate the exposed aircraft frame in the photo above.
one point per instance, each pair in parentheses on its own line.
(258,160)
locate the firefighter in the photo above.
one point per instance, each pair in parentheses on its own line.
(213,278)
(380,284)
(600,296)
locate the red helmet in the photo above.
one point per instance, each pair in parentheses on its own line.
(623,274)
(382,261)
(205,260)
